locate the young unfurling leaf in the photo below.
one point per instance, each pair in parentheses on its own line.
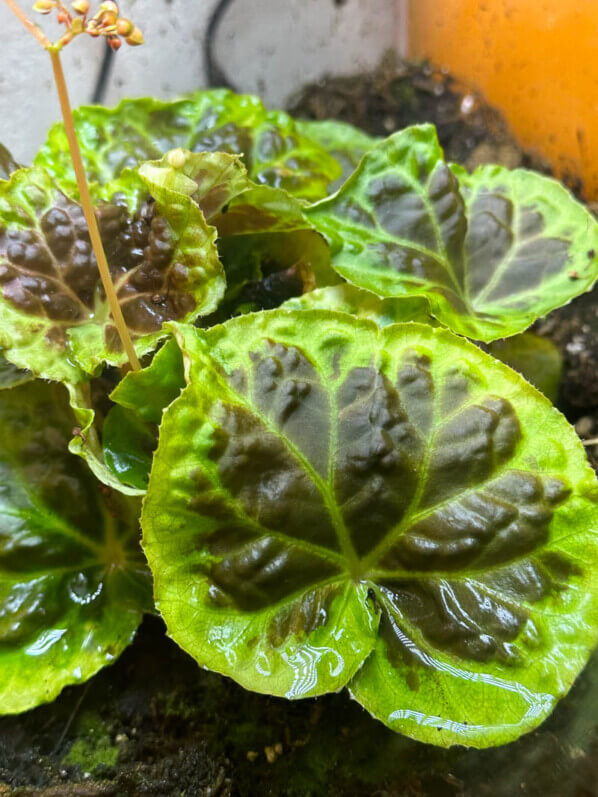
(262,231)
(389,509)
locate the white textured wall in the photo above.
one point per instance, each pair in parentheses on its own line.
(269,47)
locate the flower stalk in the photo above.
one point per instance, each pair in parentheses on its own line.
(105,23)
(88,210)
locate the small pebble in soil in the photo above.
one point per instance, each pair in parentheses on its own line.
(585,426)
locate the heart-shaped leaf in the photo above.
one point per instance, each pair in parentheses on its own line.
(275,152)
(73,583)
(54,316)
(330,500)
(491,251)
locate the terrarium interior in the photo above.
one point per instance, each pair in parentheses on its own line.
(324,420)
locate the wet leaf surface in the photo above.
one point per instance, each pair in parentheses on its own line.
(333,504)
(128,445)
(73,582)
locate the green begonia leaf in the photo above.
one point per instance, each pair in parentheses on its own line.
(149,391)
(128,444)
(130,430)
(284,158)
(346,143)
(73,582)
(228,198)
(54,316)
(116,447)
(335,503)
(113,139)
(535,358)
(491,251)
(87,439)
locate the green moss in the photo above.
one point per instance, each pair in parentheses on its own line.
(93,746)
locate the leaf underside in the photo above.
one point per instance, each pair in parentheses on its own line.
(73,583)
(491,251)
(336,504)
(10,375)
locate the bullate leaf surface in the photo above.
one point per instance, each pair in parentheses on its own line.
(54,316)
(491,251)
(334,504)
(274,150)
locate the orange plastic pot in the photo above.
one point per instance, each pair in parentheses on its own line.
(536,60)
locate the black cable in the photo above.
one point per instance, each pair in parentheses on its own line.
(101,85)
(215,75)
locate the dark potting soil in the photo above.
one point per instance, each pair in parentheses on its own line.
(156,724)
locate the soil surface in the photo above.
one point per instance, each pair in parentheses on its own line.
(155,724)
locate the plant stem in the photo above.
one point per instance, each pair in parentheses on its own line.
(88,210)
(33,29)
(593,442)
